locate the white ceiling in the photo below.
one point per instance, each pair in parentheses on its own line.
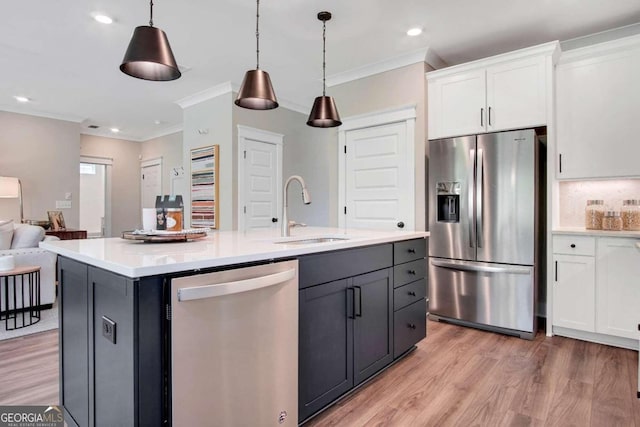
(55,53)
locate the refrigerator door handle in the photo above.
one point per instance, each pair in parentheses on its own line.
(480,198)
(481,268)
(471,175)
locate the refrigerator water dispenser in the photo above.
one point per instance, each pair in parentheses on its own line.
(448,201)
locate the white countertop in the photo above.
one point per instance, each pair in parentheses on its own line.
(596,233)
(137,259)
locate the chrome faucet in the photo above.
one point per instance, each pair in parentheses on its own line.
(286,224)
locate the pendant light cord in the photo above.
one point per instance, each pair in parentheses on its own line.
(151,13)
(257,35)
(324,63)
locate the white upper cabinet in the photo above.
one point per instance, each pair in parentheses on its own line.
(598,111)
(508,91)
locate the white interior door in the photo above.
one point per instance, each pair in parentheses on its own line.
(94,197)
(151,181)
(379,181)
(260,183)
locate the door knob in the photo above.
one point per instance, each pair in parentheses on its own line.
(274,219)
(400,224)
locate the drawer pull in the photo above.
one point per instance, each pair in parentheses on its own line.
(413,294)
(412,272)
(573,245)
(411,251)
(411,326)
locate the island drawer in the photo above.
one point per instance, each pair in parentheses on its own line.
(409,272)
(329,266)
(408,294)
(574,245)
(409,250)
(409,326)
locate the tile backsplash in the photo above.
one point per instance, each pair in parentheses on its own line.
(574,196)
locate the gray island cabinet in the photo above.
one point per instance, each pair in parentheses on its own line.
(361,307)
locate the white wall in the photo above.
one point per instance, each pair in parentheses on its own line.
(44,154)
(401,87)
(308,152)
(209,123)
(169,149)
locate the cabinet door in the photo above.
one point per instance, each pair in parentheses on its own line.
(325,356)
(618,289)
(516,94)
(574,292)
(74,339)
(372,331)
(598,100)
(457,104)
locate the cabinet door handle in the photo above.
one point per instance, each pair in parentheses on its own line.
(556,271)
(412,272)
(411,251)
(489,116)
(481,117)
(351,303)
(358,311)
(411,326)
(411,293)
(559,163)
(573,245)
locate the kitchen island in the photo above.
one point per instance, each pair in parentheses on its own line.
(115,313)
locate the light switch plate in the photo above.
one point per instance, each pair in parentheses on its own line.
(63,204)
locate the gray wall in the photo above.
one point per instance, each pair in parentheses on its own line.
(308,152)
(395,88)
(125,181)
(45,155)
(169,148)
(213,118)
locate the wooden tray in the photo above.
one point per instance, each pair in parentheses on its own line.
(165,237)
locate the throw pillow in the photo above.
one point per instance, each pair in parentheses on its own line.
(27,236)
(6,234)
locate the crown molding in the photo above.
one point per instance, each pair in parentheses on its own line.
(110,135)
(54,116)
(164,132)
(210,93)
(294,106)
(420,55)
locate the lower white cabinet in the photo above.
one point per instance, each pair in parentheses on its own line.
(574,302)
(596,286)
(618,287)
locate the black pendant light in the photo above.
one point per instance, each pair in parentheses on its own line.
(324,113)
(256,92)
(149,56)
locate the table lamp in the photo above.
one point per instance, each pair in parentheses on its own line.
(11,188)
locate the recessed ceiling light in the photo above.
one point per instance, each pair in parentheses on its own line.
(22,98)
(416,31)
(103,19)
(157,122)
(115,130)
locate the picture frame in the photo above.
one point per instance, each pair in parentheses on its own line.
(204,187)
(57,220)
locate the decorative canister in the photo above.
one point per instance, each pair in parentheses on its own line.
(593,214)
(612,221)
(174,219)
(631,215)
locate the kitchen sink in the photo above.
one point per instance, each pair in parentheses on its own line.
(311,240)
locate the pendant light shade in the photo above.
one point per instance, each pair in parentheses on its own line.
(324,113)
(256,92)
(149,55)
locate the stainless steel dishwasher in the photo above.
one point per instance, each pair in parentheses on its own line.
(234,347)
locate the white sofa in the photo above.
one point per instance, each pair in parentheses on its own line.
(24,248)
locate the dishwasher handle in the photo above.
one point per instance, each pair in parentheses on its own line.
(230,288)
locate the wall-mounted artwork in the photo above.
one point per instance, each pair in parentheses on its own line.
(204,187)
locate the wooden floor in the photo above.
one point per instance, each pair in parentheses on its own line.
(457,377)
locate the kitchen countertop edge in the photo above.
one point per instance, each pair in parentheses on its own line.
(595,233)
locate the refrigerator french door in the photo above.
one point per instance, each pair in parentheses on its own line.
(483,220)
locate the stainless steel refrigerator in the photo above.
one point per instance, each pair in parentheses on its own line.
(486,230)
